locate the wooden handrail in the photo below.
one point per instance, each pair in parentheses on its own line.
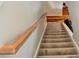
(13,48)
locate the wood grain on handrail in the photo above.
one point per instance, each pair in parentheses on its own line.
(13,48)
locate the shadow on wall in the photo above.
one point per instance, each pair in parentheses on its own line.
(69,24)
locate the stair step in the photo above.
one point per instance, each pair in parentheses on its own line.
(57,51)
(55,36)
(54,26)
(56,40)
(48,36)
(57,45)
(53,29)
(60,56)
(55,32)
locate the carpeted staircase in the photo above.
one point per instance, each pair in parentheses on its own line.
(56,43)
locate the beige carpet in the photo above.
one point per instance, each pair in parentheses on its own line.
(56,43)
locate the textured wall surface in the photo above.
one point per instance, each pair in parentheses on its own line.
(54,8)
(74,13)
(15,18)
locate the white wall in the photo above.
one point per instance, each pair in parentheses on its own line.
(15,18)
(74,14)
(56,4)
(54,8)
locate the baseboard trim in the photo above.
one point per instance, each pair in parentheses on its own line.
(71,35)
(40,42)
